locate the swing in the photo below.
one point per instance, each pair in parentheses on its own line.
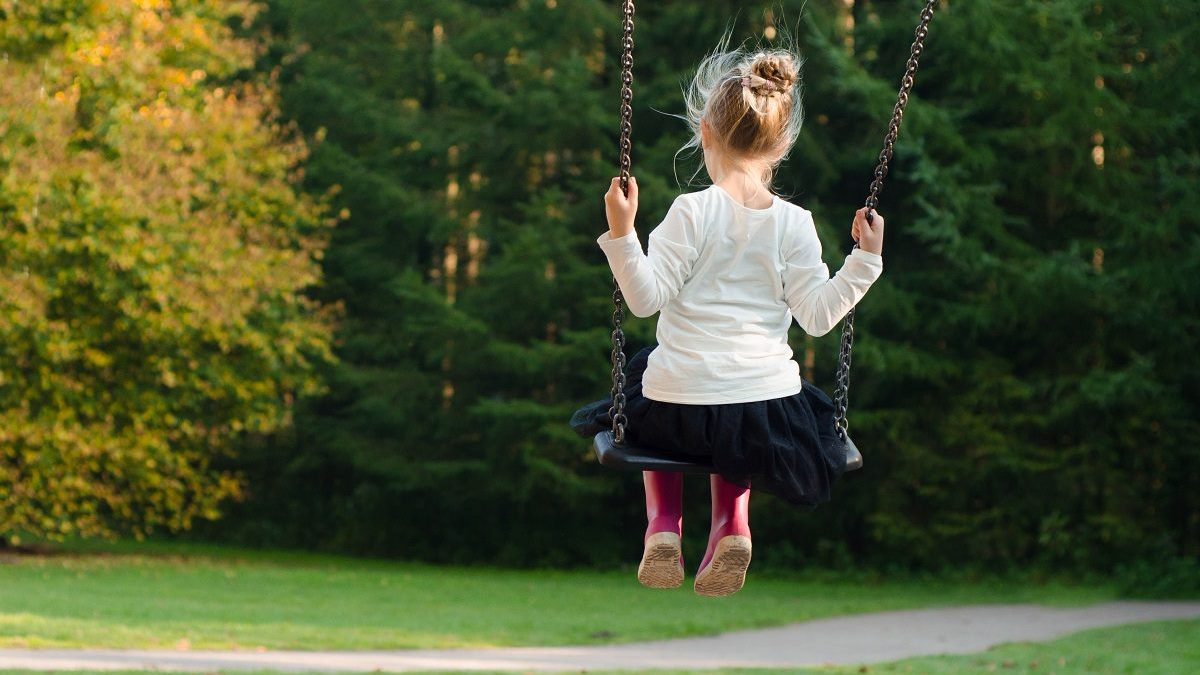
(610,446)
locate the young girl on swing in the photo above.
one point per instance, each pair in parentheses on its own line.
(729,268)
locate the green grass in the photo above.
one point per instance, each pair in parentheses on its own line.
(1164,648)
(168,595)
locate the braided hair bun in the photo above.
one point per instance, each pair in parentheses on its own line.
(771,74)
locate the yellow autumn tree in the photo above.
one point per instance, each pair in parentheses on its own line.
(154,253)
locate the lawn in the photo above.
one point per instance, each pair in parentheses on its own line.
(181,596)
(1163,648)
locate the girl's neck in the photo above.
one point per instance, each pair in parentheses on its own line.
(744,184)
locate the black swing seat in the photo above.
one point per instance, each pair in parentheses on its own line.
(633,458)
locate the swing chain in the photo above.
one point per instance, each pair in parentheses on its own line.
(617,411)
(841,395)
(626,141)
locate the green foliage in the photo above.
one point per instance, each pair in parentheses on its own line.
(469,285)
(154,251)
(1172,577)
(1025,383)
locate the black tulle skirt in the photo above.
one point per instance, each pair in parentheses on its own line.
(786,446)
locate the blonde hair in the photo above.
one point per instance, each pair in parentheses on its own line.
(751,101)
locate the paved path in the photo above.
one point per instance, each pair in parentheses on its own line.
(866,638)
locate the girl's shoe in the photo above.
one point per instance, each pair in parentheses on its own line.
(726,572)
(662,561)
(723,570)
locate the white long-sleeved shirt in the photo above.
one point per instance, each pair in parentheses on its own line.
(728,280)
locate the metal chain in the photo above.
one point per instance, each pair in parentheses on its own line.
(626,142)
(617,411)
(841,395)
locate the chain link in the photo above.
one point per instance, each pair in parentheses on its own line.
(842,393)
(617,411)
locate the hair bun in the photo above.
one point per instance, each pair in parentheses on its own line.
(771,73)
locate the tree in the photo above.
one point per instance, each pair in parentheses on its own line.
(155,255)
(1019,382)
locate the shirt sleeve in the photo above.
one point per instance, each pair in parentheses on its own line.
(650,281)
(818,302)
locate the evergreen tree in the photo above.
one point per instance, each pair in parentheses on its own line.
(1014,383)
(457,136)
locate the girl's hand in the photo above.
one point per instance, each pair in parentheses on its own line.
(621,209)
(869,237)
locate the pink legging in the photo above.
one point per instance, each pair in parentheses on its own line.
(664,507)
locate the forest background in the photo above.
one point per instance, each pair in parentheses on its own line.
(323,275)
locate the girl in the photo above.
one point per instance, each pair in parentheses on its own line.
(728,268)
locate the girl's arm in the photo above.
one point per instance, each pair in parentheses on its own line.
(818,302)
(648,281)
